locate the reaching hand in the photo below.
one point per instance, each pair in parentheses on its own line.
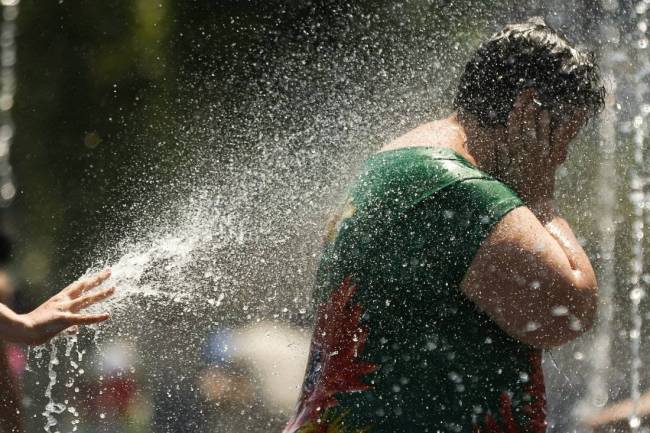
(61,311)
(526,161)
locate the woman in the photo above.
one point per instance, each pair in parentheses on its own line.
(449,270)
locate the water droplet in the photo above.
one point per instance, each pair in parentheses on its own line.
(532,326)
(560,310)
(637,294)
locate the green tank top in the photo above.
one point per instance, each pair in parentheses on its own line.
(397,347)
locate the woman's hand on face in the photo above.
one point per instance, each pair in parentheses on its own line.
(62,311)
(526,159)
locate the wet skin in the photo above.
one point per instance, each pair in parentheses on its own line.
(531,276)
(59,313)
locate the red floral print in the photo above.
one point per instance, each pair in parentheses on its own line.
(334,364)
(535,410)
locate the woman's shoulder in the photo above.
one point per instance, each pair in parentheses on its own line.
(405,176)
(417,164)
(438,133)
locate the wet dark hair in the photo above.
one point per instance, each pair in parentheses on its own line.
(524,55)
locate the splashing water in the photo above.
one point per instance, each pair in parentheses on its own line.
(52,408)
(180,268)
(638,200)
(241,246)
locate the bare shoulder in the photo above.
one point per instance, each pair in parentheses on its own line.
(436,133)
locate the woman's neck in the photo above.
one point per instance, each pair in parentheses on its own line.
(447,132)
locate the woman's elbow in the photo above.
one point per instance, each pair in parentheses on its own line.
(556,334)
(564,323)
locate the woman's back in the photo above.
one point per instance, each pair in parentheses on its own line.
(397,347)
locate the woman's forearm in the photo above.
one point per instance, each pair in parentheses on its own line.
(585,289)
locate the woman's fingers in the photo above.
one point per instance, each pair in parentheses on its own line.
(530,116)
(514,130)
(89,299)
(522,118)
(544,135)
(85,319)
(77,288)
(513,124)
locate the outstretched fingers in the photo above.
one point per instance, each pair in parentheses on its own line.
(77,288)
(85,319)
(92,298)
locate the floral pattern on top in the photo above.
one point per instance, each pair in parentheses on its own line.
(334,364)
(535,410)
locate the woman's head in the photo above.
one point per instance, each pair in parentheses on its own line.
(529,55)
